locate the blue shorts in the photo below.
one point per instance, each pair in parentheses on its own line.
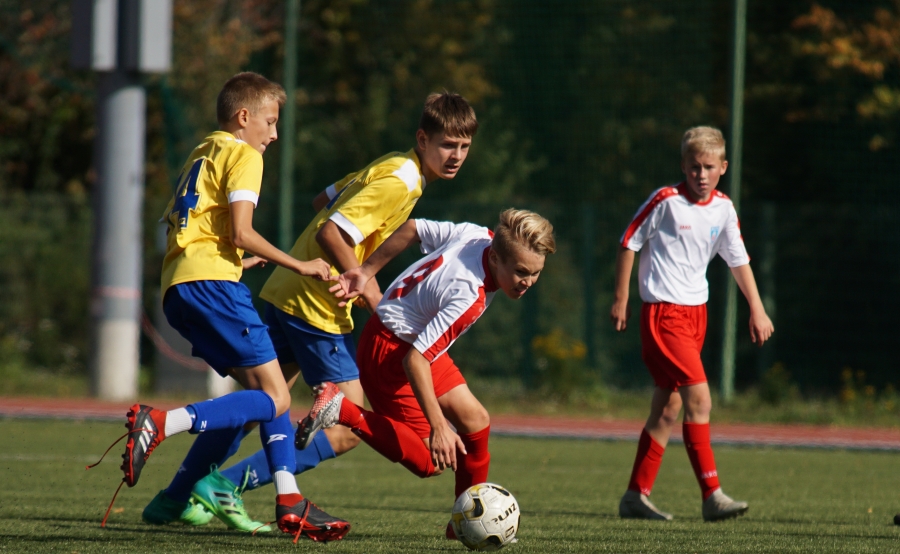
(220,322)
(321,356)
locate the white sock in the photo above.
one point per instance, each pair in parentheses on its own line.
(285,483)
(178,421)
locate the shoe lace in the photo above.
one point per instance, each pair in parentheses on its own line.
(238,492)
(246,479)
(117,441)
(302,521)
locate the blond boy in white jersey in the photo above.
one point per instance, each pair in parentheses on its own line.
(415,389)
(678,231)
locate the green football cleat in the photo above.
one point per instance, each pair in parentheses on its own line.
(223,498)
(162,510)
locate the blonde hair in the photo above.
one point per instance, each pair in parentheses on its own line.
(700,140)
(448,112)
(523,229)
(246,90)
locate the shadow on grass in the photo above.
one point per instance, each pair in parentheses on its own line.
(414,510)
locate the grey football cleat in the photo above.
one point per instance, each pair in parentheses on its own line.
(325,413)
(720,506)
(635,505)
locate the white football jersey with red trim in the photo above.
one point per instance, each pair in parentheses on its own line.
(678,237)
(439,297)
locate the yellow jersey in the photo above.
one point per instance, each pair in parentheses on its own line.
(368,205)
(221,170)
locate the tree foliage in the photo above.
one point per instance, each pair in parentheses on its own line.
(858,60)
(581,104)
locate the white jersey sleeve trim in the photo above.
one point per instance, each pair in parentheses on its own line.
(348,227)
(331,191)
(243,195)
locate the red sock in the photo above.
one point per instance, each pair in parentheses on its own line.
(472,468)
(646,464)
(699,450)
(393,440)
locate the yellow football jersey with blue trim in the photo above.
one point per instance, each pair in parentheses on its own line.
(369,205)
(198,238)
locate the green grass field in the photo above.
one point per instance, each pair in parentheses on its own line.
(800,500)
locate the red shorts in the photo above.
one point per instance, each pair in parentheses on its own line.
(379,356)
(671,339)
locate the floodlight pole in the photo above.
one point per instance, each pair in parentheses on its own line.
(120,39)
(118,236)
(735,146)
(288,128)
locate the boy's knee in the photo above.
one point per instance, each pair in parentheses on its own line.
(697,408)
(669,416)
(475,420)
(282,402)
(482,419)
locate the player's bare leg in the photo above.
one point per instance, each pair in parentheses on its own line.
(267,378)
(664,410)
(697,405)
(463,410)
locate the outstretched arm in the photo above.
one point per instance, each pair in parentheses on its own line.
(244,236)
(352,283)
(620,311)
(761,327)
(338,246)
(443,441)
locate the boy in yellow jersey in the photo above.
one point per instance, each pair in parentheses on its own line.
(311,333)
(209,229)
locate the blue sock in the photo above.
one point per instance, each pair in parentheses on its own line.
(278,443)
(209,448)
(259,471)
(235,446)
(233,410)
(319,451)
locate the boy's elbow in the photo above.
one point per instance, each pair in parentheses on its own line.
(239,239)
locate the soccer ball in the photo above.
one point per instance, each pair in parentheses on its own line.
(485,517)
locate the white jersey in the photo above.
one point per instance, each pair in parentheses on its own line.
(679,238)
(438,298)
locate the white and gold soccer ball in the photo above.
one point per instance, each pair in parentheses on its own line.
(485,517)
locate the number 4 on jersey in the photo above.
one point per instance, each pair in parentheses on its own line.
(186,196)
